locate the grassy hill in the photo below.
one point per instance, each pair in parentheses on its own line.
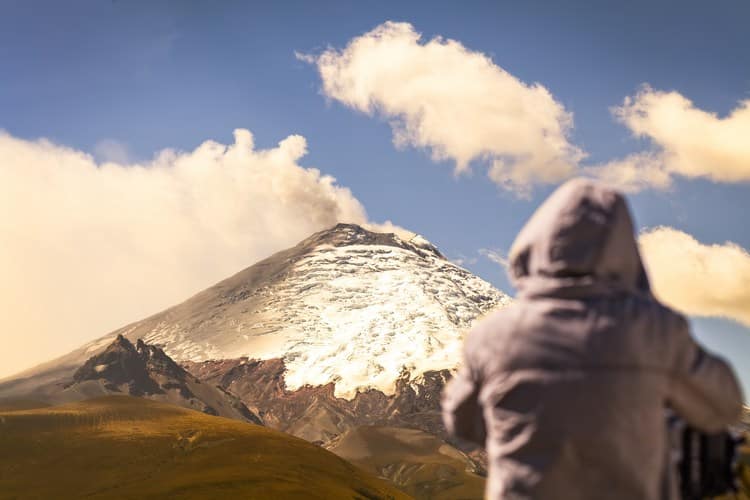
(124,447)
(418,463)
(13,404)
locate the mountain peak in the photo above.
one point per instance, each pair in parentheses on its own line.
(120,363)
(347,306)
(345,234)
(121,342)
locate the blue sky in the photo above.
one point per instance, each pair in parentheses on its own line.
(144,76)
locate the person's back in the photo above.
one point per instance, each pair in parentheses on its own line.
(568,387)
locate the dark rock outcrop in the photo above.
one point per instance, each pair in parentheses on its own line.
(121,363)
(147,371)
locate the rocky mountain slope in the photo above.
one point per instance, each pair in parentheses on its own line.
(315,413)
(145,371)
(400,437)
(418,463)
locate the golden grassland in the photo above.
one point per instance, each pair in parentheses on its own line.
(123,447)
(421,465)
(13,404)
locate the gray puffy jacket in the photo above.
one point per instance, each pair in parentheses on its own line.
(567,388)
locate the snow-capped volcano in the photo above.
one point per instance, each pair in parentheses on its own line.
(345,306)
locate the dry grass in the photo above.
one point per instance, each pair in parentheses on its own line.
(122,447)
(420,464)
(13,404)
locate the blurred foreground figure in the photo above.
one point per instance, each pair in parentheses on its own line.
(567,388)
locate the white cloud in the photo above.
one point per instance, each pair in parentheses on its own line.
(698,279)
(691,142)
(455,102)
(88,247)
(460,106)
(495,256)
(390,227)
(633,173)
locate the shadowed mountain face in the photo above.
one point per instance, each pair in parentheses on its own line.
(418,463)
(400,437)
(122,364)
(315,413)
(146,371)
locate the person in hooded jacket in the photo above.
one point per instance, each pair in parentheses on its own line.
(567,387)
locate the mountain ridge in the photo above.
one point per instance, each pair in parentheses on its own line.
(144,370)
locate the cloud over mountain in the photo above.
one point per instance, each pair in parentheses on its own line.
(698,279)
(454,102)
(88,247)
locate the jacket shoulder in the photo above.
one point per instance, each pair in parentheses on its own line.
(492,329)
(662,317)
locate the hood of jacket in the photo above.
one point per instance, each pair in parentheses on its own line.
(580,239)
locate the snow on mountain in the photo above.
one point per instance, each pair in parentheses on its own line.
(353,312)
(345,306)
